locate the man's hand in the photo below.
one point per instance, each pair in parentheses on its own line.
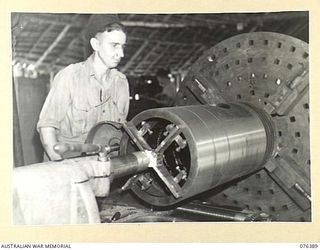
(49,139)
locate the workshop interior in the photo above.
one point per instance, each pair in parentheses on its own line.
(232,147)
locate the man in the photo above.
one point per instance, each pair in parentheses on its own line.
(88,92)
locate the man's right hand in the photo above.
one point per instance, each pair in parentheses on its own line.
(49,139)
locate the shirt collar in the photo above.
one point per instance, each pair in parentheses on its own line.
(90,68)
(89,65)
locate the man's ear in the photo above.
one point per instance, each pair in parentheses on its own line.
(94,43)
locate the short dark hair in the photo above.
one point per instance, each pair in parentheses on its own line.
(111,27)
(99,23)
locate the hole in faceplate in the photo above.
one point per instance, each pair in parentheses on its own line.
(223,105)
(292,119)
(251,42)
(276,61)
(306,106)
(211,58)
(289,66)
(280,133)
(279,45)
(265,42)
(250,60)
(292,49)
(237,62)
(297,134)
(294,151)
(305,55)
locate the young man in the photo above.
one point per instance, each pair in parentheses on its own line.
(88,92)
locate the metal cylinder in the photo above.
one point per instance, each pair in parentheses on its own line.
(129,164)
(221,143)
(203,212)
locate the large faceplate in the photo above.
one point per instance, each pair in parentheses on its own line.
(269,71)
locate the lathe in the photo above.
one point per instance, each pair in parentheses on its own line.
(234,148)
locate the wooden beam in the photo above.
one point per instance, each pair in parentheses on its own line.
(62,53)
(163,42)
(152,24)
(56,41)
(196,50)
(39,40)
(53,45)
(136,54)
(149,68)
(36,18)
(142,47)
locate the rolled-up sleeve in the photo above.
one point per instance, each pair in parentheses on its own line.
(58,100)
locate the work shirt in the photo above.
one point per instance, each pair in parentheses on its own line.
(77,101)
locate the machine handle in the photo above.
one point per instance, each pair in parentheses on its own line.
(62,148)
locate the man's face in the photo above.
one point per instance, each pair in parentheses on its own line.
(110,47)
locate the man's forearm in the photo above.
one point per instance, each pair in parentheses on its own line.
(49,139)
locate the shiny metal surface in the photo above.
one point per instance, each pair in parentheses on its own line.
(129,164)
(223,142)
(271,72)
(62,148)
(207,212)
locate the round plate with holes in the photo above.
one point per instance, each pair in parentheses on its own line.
(105,133)
(269,71)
